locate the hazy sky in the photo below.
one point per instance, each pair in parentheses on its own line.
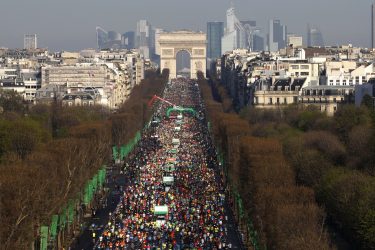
(70,24)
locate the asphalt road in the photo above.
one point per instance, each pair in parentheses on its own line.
(85,240)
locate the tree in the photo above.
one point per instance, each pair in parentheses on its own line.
(349,198)
(368,102)
(11,101)
(349,116)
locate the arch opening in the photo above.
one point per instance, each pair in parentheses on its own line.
(183,63)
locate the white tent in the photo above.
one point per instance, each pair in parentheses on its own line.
(161,210)
(168,180)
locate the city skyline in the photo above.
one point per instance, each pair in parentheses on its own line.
(58,32)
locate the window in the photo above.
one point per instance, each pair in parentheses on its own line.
(305,67)
(278,100)
(337,82)
(344,82)
(285,102)
(294,66)
(270,102)
(334,99)
(330,82)
(304,73)
(363,79)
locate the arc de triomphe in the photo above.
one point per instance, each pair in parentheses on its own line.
(192,42)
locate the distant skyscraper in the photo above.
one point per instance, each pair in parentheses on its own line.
(234,34)
(277,35)
(373,25)
(108,40)
(257,40)
(143,38)
(114,36)
(128,40)
(30,42)
(248,31)
(314,37)
(215,31)
(101,37)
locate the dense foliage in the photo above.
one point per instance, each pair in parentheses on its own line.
(334,156)
(285,215)
(48,153)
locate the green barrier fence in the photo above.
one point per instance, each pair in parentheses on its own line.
(114,153)
(62,219)
(101,176)
(53,227)
(43,238)
(86,195)
(122,152)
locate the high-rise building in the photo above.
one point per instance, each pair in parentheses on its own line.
(114,36)
(143,32)
(30,41)
(314,37)
(373,25)
(277,35)
(257,40)
(215,31)
(128,40)
(249,28)
(101,37)
(143,38)
(108,40)
(234,34)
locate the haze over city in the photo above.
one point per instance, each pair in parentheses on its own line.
(70,24)
(187,124)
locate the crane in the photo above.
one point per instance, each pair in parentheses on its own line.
(155,97)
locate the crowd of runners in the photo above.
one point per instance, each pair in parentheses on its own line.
(175,197)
